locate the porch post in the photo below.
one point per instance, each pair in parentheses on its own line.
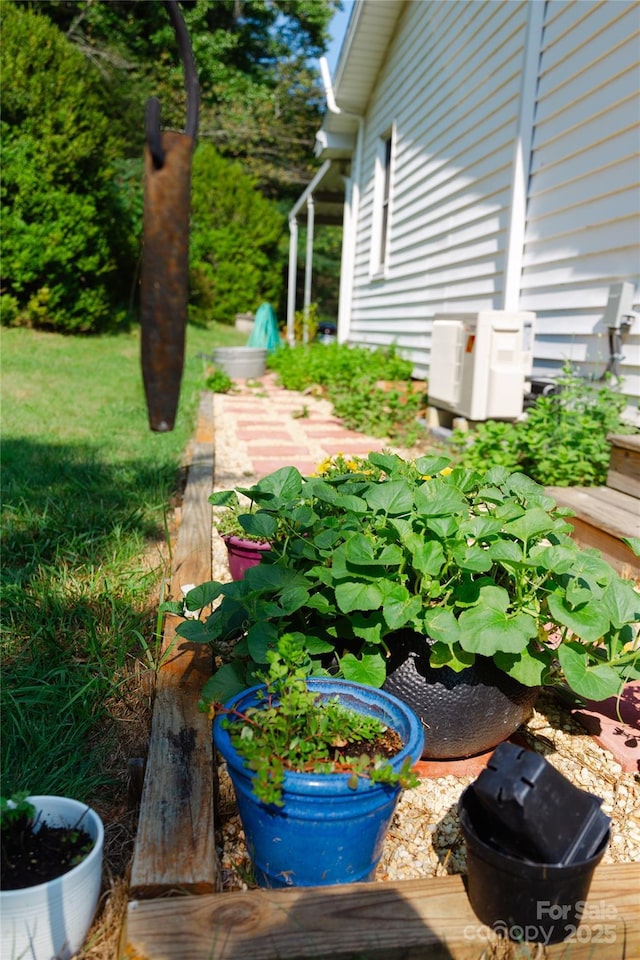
(293,276)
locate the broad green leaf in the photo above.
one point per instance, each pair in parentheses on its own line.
(436,499)
(488,630)
(523,486)
(399,606)
(368,627)
(558,559)
(173,606)
(443,527)
(260,638)
(473,558)
(361,551)
(393,497)
(596,682)
(633,543)
(224,498)
(442,655)
(316,645)
(386,461)
(534,523)
(227,682)
(442,626)
(431,465)
(506,551)
(204,594)
(589,622)
(259,524)
(319,602)
(427,556)
(194,631)
(497,475)
(358,596)
(622,602)
(293,598)
(274,577)
(479,528)
(285,484)
(527,667)
(369,669)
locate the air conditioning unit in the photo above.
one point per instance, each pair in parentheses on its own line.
(479,363)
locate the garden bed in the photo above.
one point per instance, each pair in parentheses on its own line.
(412,919)
(425,840)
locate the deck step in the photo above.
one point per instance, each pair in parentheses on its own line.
(624,465)
(603,516)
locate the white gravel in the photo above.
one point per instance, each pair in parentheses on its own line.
(424,839)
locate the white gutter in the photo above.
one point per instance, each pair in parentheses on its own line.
(352,202)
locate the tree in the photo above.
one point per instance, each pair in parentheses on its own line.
(235,233)
(65,234)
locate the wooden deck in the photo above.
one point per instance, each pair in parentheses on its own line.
(176,911)
(604,515)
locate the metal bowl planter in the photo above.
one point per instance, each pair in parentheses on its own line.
(464,713)
(52,919)
(243,554)
(241,363)
(327,832)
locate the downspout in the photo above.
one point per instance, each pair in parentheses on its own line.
(308,268)
(522,156)
(352,202)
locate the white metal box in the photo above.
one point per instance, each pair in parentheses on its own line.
(479,362)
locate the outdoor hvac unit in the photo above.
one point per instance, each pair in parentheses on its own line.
(479,362)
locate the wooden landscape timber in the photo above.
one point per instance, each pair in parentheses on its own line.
(176,911)
(175,848)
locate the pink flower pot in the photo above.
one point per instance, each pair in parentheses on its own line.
(243,554)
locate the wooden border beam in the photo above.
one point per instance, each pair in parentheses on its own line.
(407,920)
(175,847)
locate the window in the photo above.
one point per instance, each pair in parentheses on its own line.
(382,209)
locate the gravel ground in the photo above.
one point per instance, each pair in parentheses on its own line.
(425,839)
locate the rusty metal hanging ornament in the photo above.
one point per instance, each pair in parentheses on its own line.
(165,254)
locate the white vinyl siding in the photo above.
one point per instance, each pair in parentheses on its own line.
(451,87)
(583,219)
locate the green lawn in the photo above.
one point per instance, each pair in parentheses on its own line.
(85,492)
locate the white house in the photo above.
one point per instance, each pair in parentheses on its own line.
(484,155)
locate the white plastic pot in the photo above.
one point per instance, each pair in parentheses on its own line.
(51,920)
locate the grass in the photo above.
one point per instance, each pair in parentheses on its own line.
(86,492)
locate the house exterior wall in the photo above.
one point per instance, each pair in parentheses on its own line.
(450,92)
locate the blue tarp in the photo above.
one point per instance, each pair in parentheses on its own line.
(265,329)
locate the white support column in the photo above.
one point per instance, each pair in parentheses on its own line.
(308,266)
(522,155)
(293,277)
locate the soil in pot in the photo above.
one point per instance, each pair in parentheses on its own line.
(36,853)
(464,713)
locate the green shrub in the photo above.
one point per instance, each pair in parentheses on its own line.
(562,441)
(65,233)
(234,240)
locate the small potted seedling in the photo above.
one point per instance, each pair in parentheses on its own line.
(51,873)
(316,763)
(233,519)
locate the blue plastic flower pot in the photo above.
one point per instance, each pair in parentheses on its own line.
(326,832)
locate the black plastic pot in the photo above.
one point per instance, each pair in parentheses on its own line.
(520,899)
(464,713)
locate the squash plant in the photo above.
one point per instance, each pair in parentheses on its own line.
(476,563)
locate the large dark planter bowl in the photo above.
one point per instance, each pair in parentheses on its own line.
(464,713)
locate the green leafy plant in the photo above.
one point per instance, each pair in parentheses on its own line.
(229,516)
(561,442)
(293,729)
(477,564)
(15,809)
(218,381)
